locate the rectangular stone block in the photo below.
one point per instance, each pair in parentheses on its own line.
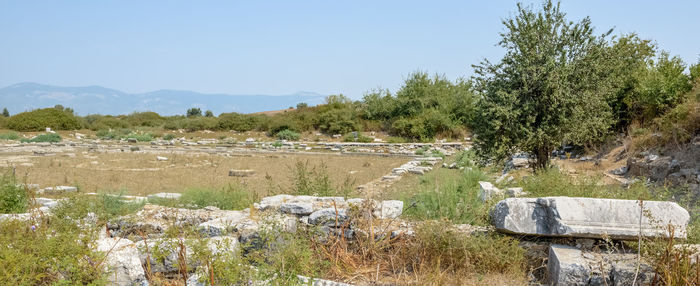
(589,217)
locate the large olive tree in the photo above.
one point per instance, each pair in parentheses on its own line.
(549,88)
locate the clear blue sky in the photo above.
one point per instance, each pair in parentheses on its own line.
(280,47)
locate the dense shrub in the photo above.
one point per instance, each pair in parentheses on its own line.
(337,121)
(238,122)
(97,122)
(288,135)
(199,123)
(39,119)
(423,107)
(148,118)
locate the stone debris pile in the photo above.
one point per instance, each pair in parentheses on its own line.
(130,237)
(590,221)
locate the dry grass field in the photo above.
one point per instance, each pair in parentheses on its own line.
(143,174)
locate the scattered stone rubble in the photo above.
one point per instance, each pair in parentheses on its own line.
(417,166)
(225,229)
(589,220)
(488,191)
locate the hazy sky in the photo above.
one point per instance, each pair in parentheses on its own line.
(280,47)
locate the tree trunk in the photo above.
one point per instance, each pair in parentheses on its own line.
(542,157)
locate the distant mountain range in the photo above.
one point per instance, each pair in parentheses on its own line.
(96,99)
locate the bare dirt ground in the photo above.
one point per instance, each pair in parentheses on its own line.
(142,174)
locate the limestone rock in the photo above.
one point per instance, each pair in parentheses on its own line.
(169,196)
(587,217)
(567,266)
(388,209)
(122,261)
(297,208)
(692,250)
(241,173)
(234,220)
(328,216)
(488,191)
(60,189)
(571,266)
(303,280)
(162,255)
(515,192)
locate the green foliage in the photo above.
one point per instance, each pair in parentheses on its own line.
(439,245)
(124,134)
(337,121)
(284,255)
(421,150)
(141,137)
(208,113)
(48,137)
(5,112)
(662,86)
(53,249)
(13,197)
(226,267)
(423,108)
(681,123)
(198,124)
(168,136)
(229,198)
(194,112)
(553,182)
(110,206)
(97,122)
(113,134)
(9,136)
(47,252)
(105,206)
(315,180)
(288,135)
(150,119)
(550,87)
(448,194)
(694,73)
(39,119)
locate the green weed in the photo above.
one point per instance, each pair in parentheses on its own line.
(13,197)
(288,135)
(49,137)
(229,198)
(447,194)
(9,136)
